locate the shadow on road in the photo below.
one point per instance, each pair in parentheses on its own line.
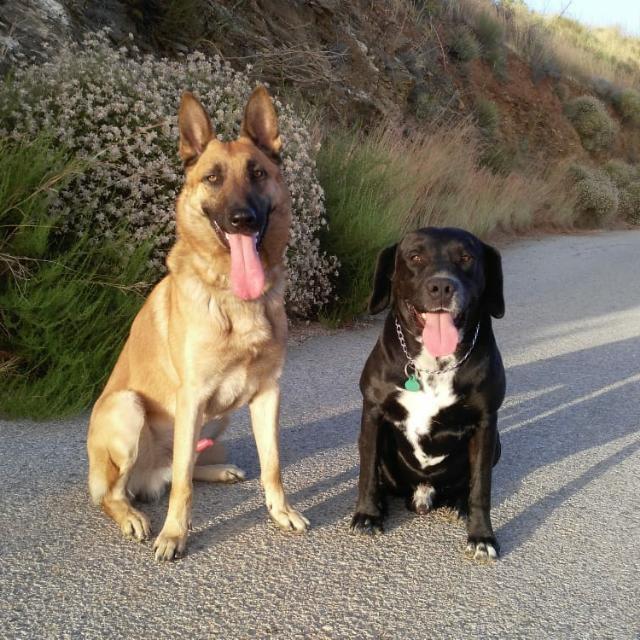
(572,403)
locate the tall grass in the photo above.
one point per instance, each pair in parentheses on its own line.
(29,175)
(368,195)
(379,187)
(556,44)
(65,304)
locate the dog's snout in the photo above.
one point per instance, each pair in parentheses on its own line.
(243,218)
(441,290)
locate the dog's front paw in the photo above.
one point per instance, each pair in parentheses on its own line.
(366,523)
(483,549)
(168,547)
(135,526)
(288,519)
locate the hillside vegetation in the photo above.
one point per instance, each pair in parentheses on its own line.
(395,114)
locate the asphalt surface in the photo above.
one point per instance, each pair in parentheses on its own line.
(566,500)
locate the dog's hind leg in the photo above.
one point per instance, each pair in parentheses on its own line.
(210,464)
(116,426)
(218,473)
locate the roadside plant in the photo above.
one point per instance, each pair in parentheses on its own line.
(589,117)
(116,108)
(627,102)
(463,45)
(487,116)
(597,195)
(66,303)
(626,177)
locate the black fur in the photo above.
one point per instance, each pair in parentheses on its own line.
(466,431)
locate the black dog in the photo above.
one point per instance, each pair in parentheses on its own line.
(433,383)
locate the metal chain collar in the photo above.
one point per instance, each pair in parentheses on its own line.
(412,363)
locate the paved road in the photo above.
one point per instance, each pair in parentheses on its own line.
(566,499)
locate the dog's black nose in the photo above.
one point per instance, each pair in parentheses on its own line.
(243,218)
(441,290)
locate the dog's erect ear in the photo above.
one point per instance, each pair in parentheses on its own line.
(381,296)
(195,128)
(260,123)
(493,296)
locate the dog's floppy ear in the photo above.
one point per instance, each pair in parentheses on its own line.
(381,296)
(260,123)
(493,296)
(195,128)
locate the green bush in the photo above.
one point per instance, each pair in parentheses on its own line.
(597,195)
(487,116)
(464,46)
(490,33)
(589,116)
(627,102)
(66,303)
(426,105)
(630,203)
(499,158)
(367,197)
(626,177)
(622,173)
(30,175)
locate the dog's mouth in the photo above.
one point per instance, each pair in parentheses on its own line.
(439,329)
(247,273)
(223,236)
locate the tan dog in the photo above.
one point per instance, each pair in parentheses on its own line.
(210,337)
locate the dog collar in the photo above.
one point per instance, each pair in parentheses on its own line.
(412,383)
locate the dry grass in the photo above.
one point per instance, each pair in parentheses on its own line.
(380,186)
(553,44)
(452,189)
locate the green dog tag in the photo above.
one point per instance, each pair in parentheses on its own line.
(411,383)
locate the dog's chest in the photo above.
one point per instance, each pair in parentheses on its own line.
(421,408)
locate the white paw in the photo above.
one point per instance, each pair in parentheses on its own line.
(289,519)
(482,550)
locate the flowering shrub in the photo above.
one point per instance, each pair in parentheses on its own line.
(117,109)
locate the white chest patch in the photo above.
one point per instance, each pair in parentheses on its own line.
(422,406)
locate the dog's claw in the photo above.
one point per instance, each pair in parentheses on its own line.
(482,549)
(168,548)
(234,474)
(135,526)
(366,524)
(289,519)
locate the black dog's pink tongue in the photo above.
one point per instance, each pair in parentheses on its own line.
(247,274)
(439,336)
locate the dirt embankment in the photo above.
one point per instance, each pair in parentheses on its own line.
(357,62)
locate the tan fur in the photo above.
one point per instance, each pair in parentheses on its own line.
(196,352)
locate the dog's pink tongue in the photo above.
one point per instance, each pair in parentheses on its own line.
(439,335)
(247,275)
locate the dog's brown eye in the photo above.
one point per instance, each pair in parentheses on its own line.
(465,258)
(417,258)
(214,178)
(258,174)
